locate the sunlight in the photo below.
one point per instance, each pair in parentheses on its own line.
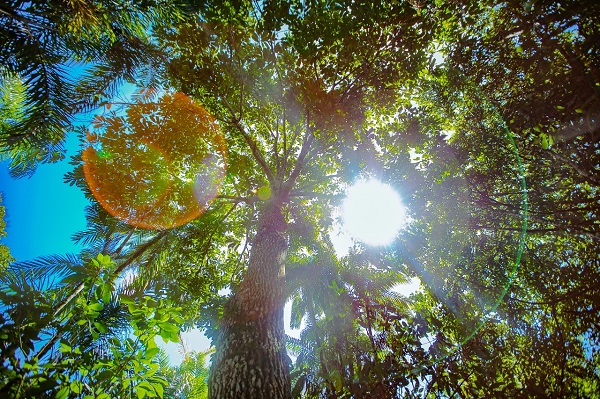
(373,213)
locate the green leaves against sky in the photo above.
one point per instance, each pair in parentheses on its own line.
(483,115)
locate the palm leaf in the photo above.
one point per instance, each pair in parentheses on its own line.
(37,41)
(44,272)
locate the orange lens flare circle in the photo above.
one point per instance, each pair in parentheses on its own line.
(158,166)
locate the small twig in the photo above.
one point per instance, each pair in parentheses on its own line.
(311,194)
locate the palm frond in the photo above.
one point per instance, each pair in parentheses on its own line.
(38,41)
(35,56)
(107,235)
(44,272)
(394,299)
(122,62)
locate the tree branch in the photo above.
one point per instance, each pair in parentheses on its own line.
(307,141)
(248,200)
(81,286)
(577,168)
(312,194)
(252,144)
(140,251)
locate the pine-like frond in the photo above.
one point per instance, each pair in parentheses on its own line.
(36,56)
(41,40)
(104,79)
(44,272)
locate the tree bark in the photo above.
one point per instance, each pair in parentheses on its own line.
(251,360)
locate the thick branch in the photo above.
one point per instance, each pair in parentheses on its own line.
(577,168)
(252,144)
(256,152)
(301,160)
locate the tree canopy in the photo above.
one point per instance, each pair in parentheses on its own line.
(223,172)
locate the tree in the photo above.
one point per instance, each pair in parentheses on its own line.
(502,195)
(67,57)
(296,112)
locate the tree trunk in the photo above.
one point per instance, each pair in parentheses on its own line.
(251,359)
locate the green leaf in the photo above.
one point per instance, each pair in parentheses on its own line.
(544,141)
(161,317)
(95,306)
(169,331)
(150,353)
(64,348)
(152,369)
(63,393)
(93,315)
(126,299)
(133,308)
(104,260)
(75,386)
(159,390)
(106,292)
(149,388)
(101,327)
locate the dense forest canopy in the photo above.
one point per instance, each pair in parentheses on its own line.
(225,169)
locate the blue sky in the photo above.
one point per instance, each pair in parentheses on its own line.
(42,212)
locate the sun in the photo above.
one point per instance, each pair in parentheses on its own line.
(373,212)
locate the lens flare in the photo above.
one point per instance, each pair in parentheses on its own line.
(159,166)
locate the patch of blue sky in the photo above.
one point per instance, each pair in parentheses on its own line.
(42,212)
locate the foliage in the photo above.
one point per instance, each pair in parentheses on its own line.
(159,166)
(483,114)
(68,56)
(360,338)
(187,380)
(547,95)
(5,257)
(99,344)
